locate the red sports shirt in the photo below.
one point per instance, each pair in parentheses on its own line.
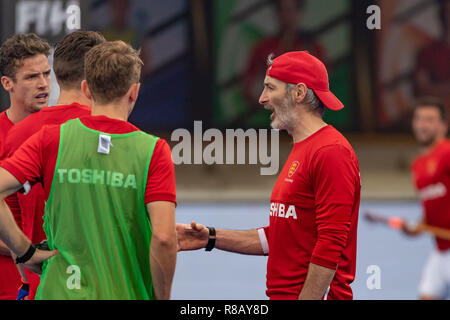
(30,208)
(431,174)
(9,276)
(32,205)
(314,216)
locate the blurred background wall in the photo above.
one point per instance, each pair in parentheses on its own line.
(205,60)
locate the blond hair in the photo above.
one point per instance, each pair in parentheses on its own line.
(111,68)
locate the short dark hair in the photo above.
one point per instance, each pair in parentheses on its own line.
(18,48)
(69,56)
(429,101)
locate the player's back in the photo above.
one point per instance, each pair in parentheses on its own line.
(32,205)
(29,208)
(104,233)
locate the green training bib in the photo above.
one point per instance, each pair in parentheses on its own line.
(96,217)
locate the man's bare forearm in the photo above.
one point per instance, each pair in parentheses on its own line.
(4,250)
(163,257)
(239,241)
(317,281)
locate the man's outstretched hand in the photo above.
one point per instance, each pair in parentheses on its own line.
(192,236)
(35,262)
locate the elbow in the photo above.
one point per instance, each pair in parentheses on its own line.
(165,239)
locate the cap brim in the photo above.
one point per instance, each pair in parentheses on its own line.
(329,100)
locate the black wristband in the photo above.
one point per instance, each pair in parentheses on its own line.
(212,239)
(27,256)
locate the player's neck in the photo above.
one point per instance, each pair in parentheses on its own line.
(17,112)
(117,111)
(428,148)
(307,125)
(67,97)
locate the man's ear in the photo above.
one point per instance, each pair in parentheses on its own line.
(134,91)
(7,83)
(300,92)
(85,89)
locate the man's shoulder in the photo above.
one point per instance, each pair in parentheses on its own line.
(444,149)
(446,144)
(46,136)
(331,138)
(5,126)
(23,130)
(439,152)
(61,114)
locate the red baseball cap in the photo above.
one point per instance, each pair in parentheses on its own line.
(301,67)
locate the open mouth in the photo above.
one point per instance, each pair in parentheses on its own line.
(42,96)
(268,108)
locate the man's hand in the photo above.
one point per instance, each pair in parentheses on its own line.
(35,263)
(192,237)
(412,230)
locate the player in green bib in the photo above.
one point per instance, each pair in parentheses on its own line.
(112,239)
(97,197)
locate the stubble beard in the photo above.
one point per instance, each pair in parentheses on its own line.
(283,116)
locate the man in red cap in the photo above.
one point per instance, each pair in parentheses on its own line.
(311,238)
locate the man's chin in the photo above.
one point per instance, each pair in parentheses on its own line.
(277,126)
(425,142)
(38,107)
(280,127)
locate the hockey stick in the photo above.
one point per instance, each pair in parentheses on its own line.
(398,223)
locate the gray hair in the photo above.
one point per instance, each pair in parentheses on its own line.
(270,59)
(311,100)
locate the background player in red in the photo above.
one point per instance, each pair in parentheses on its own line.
(311,239)
(288,38)
(68,65)
(112,75)
(25,74)
(431,174)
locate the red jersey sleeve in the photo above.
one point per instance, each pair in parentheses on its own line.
(26,163)
(161,175)
(335,177)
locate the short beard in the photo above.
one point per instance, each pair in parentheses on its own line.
(427,142)
(283,119)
